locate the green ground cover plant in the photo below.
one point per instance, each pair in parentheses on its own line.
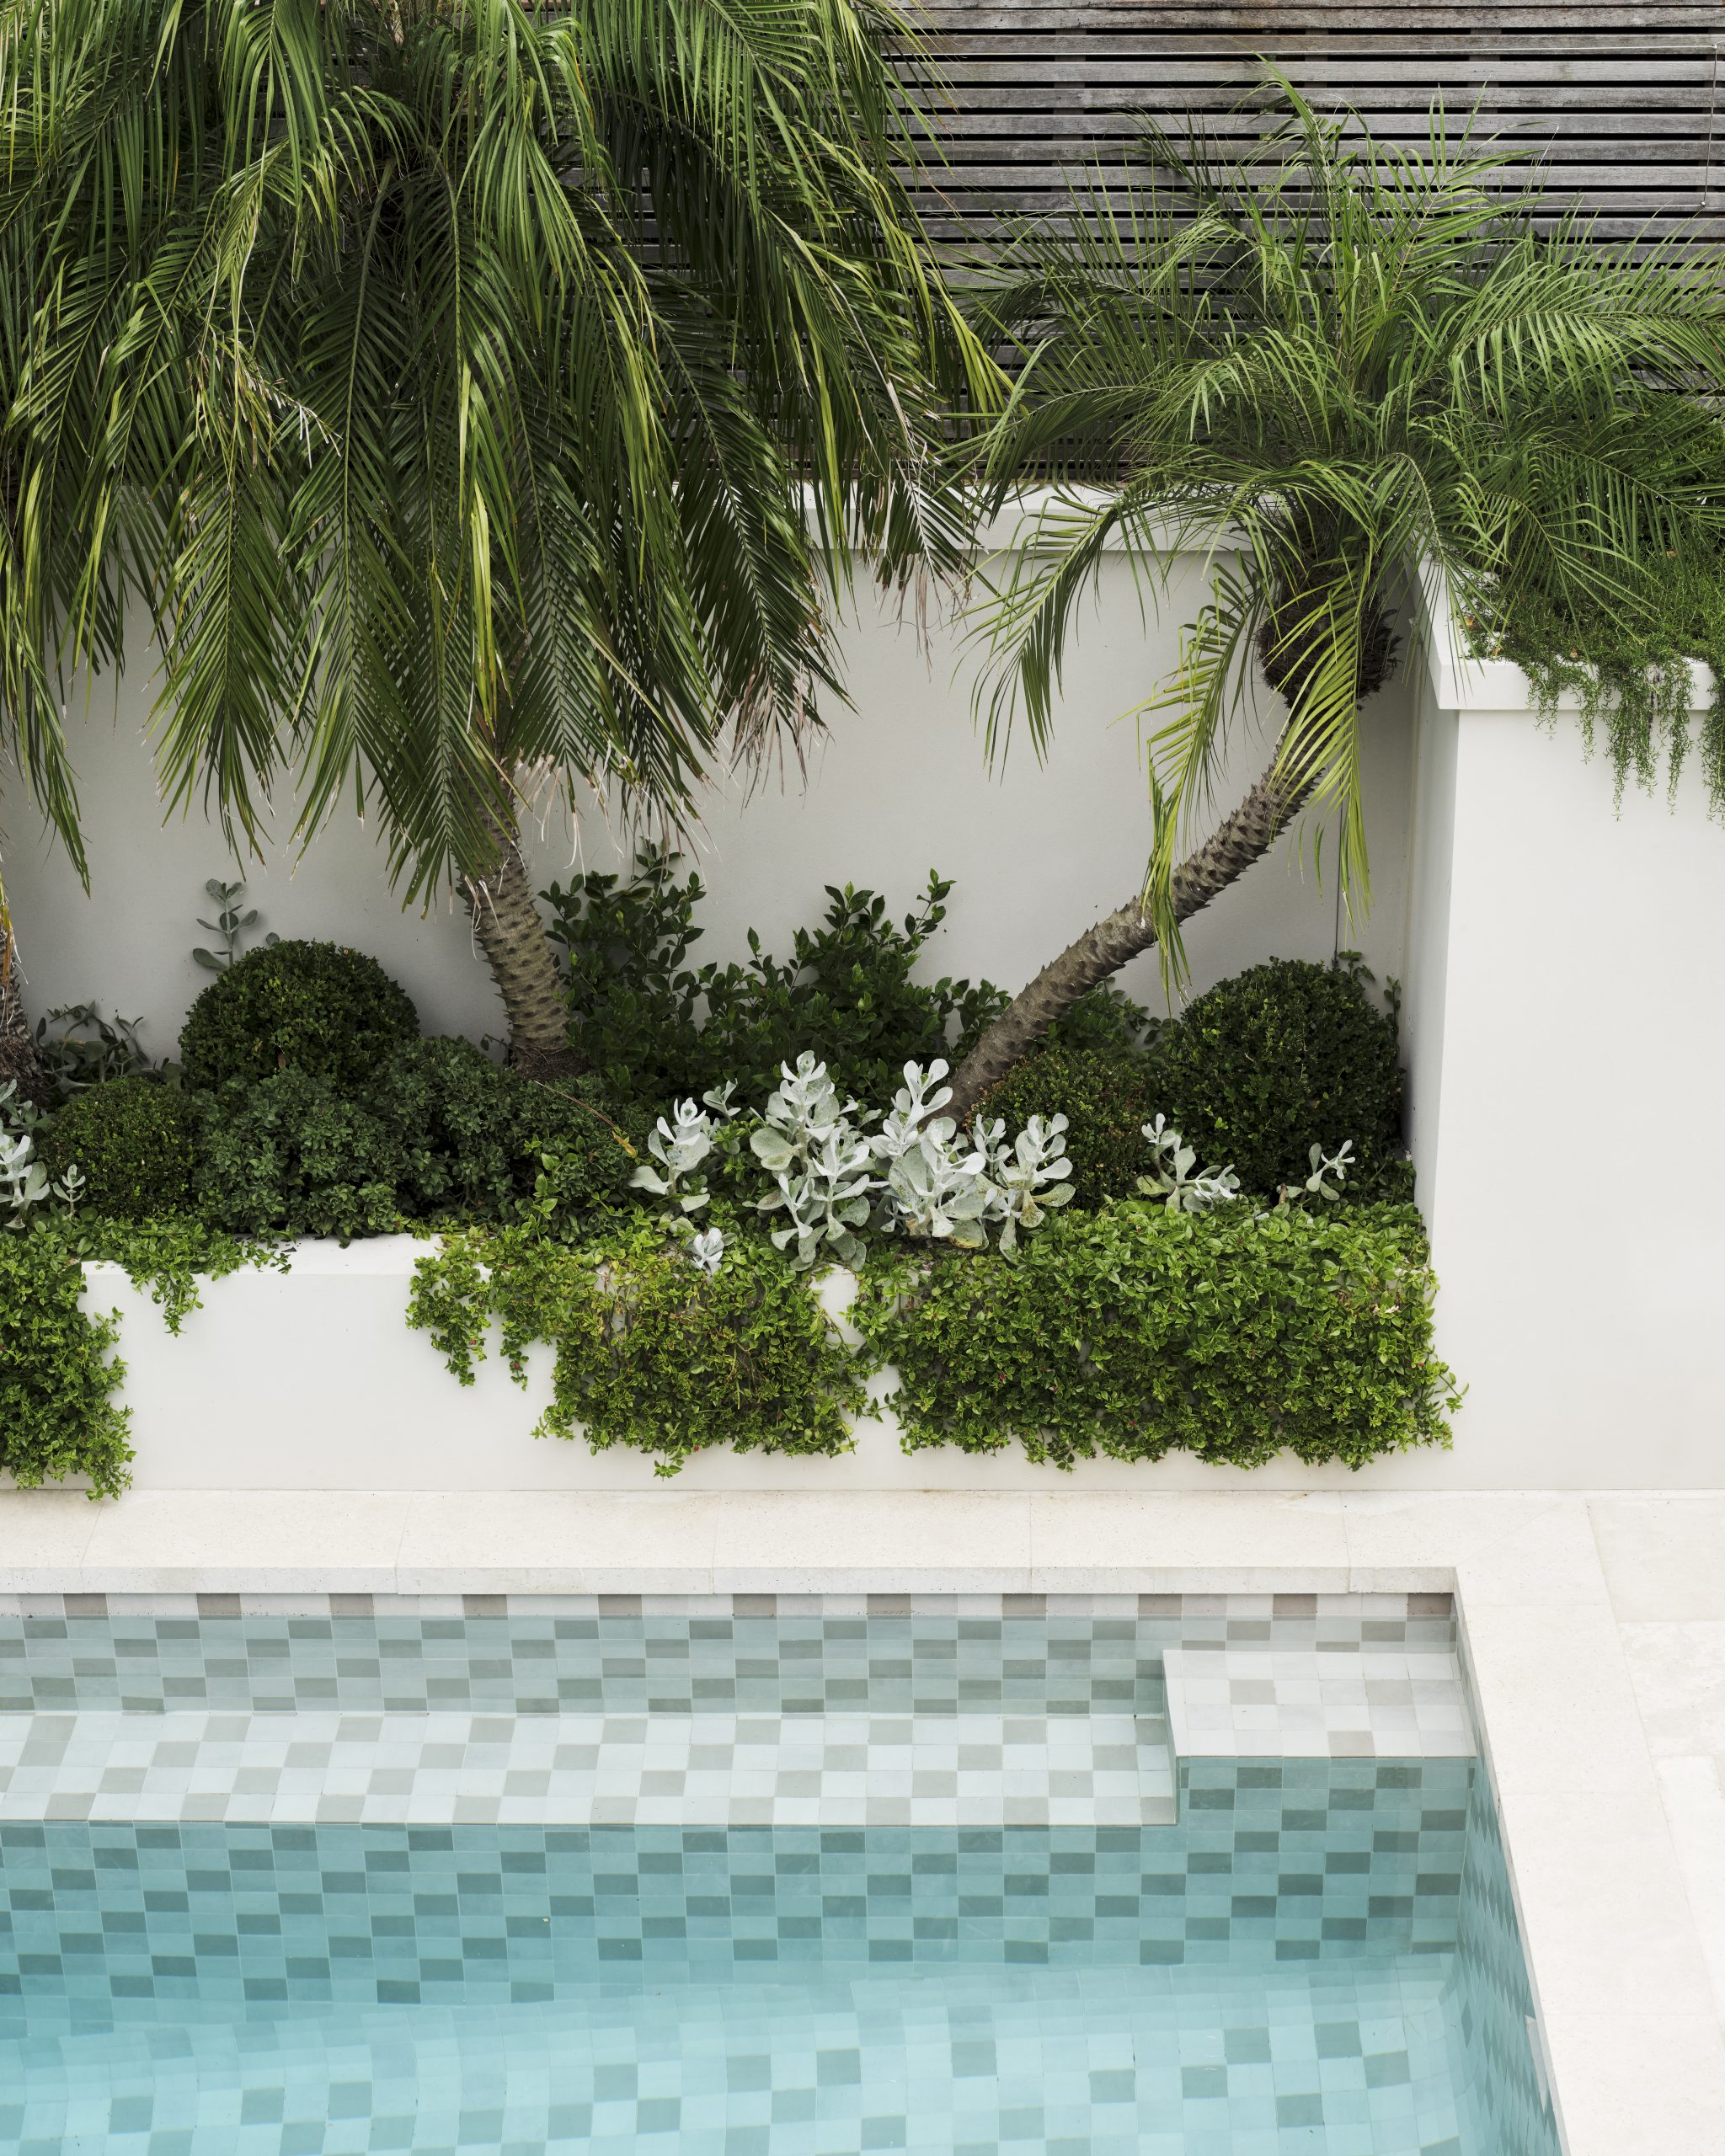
(652,1349)
(1136,1330)
(58,1373)
(1629,668)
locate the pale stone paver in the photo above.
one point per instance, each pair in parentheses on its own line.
(1663,1560)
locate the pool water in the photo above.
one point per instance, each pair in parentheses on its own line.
(1317,1953)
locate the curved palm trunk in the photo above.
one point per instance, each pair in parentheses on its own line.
(513,937)
(1244,837)
(18,1063)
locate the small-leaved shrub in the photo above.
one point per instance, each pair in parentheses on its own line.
(1285,1055)
(1106,1098)
(655,1028)
(331,1013)
(652,1350)
(57,1375)
(132,1137)
(291,1155)
(476,1140)
(1137,1330)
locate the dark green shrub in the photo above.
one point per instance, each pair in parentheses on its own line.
(57,1415)
(291,1155)
(1107,1099)
(1134,1331)
(655,1028)
(1281,1058)
(133,1140)
(331,1013)
(650,1351)
(470,1137)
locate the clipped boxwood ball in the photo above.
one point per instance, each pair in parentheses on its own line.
(132,1137)
(316,1007)
(1106,1097)
(291,1155)
(1285,1056)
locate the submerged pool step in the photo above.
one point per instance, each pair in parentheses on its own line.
(737,1770)
(1243,1703)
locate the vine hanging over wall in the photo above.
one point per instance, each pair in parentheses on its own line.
(652,1350)
(1129,1333)
(1140,1330)
(58,1375)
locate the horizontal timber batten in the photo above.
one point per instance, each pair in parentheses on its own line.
(1618,104)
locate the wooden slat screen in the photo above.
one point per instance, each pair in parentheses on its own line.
(1621,101)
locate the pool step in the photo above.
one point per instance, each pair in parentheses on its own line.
(1242,1703)
(758,1771)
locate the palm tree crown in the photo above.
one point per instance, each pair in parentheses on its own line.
(1331,364)
(470,395)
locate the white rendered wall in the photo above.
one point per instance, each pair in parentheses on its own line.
(1430,871)
(312,1380)
(898,787)
(1568,1037)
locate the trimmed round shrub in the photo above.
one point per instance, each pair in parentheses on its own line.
(132,1139)
(1285,1056)
(471,1137)
(292,1156)
(316,1007)
(1107,1099)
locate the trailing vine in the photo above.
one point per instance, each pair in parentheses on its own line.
(166,1256)
(650,1349)
(1138,1330)
(1630,675)
(1127,1333)
(58,1373)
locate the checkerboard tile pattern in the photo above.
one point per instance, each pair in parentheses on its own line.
(751,1877)
(1167,2062)
(1272,1864)
(1242,1702)
(622,1654)
(572,1769)
(1320,1958)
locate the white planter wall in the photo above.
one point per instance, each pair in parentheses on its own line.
(312,1380)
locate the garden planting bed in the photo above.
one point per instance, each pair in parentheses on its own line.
(311,1379)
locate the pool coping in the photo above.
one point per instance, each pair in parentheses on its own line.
(1634,2048)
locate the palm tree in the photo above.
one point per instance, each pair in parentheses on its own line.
(479,402)
(1328,365)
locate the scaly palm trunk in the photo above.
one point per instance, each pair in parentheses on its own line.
(18,1065)
(1244,837)
(507,923)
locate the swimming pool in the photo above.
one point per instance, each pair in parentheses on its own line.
(765,1955)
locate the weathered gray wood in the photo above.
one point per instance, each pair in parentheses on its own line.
(1618,104)
(1020,17)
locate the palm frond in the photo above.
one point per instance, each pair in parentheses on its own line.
(1341,359)
(467,395)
